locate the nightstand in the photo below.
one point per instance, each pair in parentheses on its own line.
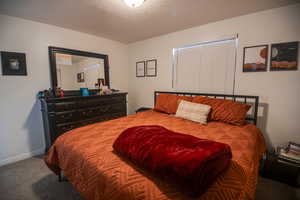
(280,170)
(142,109)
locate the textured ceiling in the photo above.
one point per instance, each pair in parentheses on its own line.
(114,20)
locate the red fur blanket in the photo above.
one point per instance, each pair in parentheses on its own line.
(187,161)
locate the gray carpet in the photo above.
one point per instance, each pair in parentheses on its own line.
(31,180)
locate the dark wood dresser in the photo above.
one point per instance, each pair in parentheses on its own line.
(66,113)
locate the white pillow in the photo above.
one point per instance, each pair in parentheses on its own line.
(193,111)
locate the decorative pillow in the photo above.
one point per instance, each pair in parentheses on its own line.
(193,111)
(168,103)
(225,110)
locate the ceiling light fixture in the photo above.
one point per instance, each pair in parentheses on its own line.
(134,3)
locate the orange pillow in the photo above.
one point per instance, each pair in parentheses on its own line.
(168,103)
(225,110)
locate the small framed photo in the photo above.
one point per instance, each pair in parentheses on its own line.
(80,77)
(255,58)
(140,69)
(101,81)
(284,56)
(151,68)
(13,64)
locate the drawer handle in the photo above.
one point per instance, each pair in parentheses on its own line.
(87,113)
(105,109)
(66,116)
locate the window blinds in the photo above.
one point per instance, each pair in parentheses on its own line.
(205,67)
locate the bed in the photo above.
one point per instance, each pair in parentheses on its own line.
(86,157)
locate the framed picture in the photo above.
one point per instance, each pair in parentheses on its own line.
(13,64)
(80,77)
(255,58)
(101,81)
(151,68)
(284,56)
(140,69)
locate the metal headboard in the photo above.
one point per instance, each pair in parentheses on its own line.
(251,100)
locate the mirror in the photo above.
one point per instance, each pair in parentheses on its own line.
(74,72)
(73,69)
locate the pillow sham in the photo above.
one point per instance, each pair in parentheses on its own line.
(225,110)
(168,103)
(193,111)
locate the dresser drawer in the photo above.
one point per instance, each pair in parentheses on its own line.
(95,120)
(101,101)
(118,99)
(61,106)
(62,128)
(120,107)
(92,112)
(64,117)
(118,115)
(101,110)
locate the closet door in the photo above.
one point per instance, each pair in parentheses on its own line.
(205,68)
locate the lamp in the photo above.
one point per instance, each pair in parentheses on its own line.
(134,3)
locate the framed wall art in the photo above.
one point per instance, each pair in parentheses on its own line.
(284,56)
(140,69)
(13,64)
(80,77)
(255,58)
(151,68)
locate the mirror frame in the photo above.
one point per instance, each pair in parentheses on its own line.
(53,72)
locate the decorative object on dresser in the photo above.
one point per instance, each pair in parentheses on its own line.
(255,58)
(80,77)
(13,64)
(66,113)
(151,68)
(84,92)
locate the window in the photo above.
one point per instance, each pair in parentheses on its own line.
(205,67)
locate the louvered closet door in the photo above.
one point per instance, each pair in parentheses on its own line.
(205,68)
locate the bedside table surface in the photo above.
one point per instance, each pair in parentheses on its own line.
(281,170)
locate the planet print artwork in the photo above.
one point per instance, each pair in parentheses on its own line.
(284,56)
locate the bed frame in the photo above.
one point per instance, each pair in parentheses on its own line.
(251,100)
(245,99)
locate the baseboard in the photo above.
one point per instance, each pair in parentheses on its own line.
(22,156)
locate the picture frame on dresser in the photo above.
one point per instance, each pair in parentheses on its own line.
(80,77)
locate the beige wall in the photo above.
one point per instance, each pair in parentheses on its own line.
(278,91)
(21,129)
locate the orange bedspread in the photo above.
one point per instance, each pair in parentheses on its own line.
(85,155)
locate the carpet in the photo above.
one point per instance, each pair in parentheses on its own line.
(30,179)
